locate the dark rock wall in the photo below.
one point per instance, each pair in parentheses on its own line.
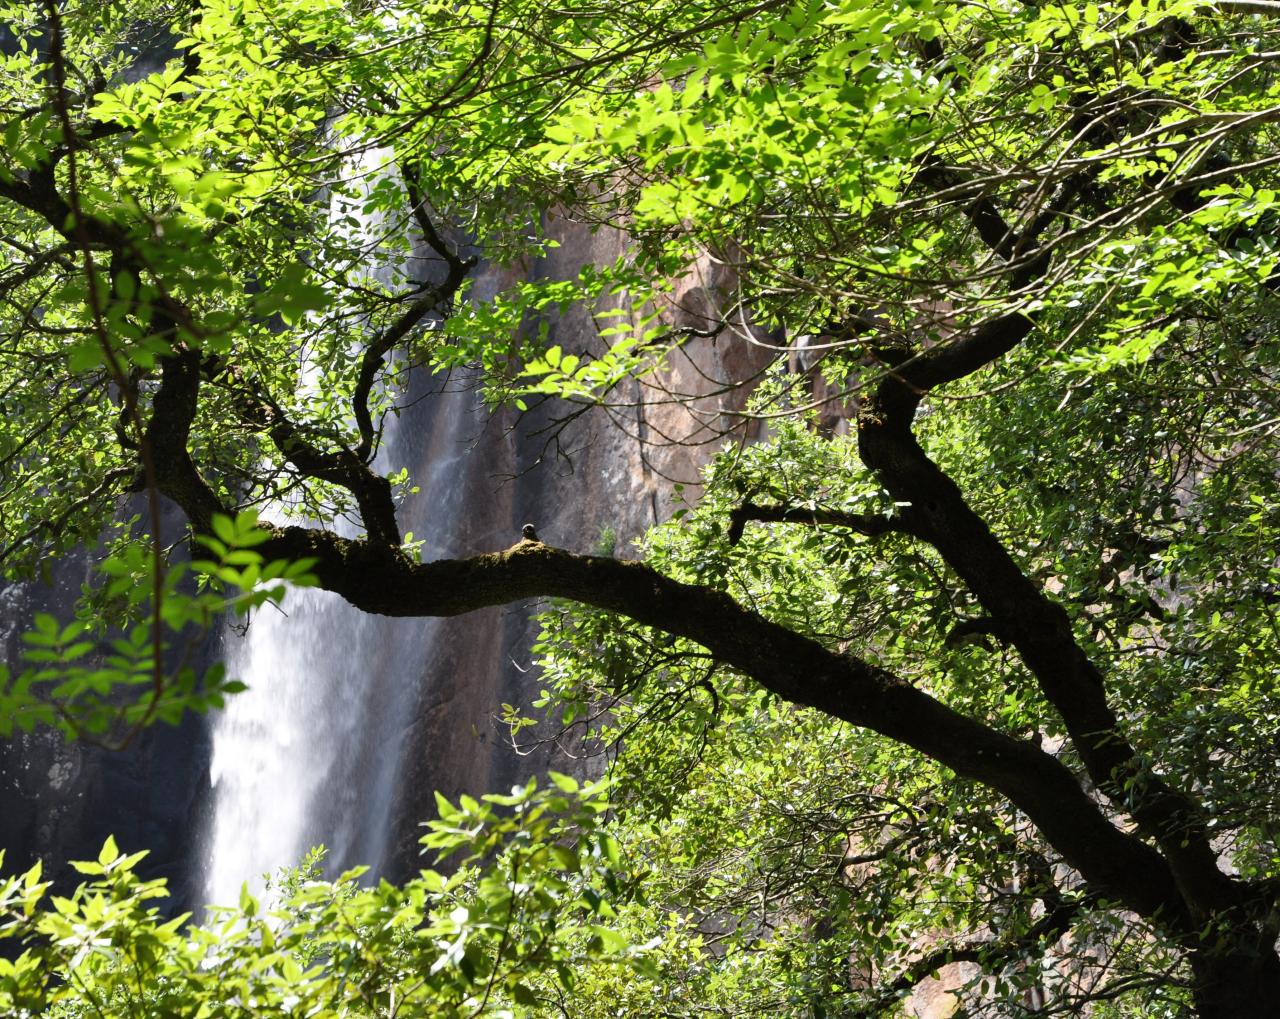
(607,476)
(59,799)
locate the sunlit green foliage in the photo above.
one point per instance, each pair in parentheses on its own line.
(107,673)
(533,885)
(259,194)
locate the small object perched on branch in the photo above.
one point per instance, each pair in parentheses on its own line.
(529,534)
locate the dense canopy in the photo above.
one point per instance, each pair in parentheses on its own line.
(962,673)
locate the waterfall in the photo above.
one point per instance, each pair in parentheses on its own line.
(310,753)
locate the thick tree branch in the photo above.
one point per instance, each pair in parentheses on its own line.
(792,666)
(1041,631)
(982,626)
(964,355)
(959,357)
(173,409)
(374,357)
(422,218)
(342,467)
(1025,616)
(870,524)
(36,191)
(437,299)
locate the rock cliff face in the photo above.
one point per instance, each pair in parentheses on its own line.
(603,477)
(59,800)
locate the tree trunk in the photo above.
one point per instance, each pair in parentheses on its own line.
(1234,985)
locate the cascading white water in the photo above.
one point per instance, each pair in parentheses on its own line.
(276,746)
(309,754)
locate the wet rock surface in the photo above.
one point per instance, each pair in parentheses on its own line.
(60,799)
